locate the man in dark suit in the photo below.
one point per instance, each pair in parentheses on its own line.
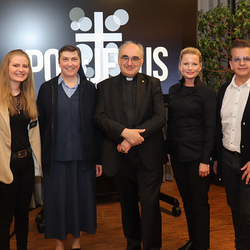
(130,113)
(233,141)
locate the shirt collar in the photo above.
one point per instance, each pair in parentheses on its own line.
(197,82)
(233,83)
(60,79)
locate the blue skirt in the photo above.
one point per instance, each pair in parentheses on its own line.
(69,200)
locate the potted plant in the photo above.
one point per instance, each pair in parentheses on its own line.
(217,29)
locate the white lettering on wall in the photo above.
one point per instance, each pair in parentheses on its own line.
(39,59)
(158,61)
(99,62)
(47,63)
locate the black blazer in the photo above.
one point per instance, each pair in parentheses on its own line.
(47,109)
(150,114)
(245,130)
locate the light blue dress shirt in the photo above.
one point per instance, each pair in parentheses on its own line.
(69,91)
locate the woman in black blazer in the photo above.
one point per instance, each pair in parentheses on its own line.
(191,131)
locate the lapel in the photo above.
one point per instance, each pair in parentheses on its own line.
(140,93)
(5,125)
(245,116)
(221,95)
(117,100)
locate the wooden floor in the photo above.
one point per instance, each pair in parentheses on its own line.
(109,235)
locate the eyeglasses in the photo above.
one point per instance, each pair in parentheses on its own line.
(246,59)
(134,59)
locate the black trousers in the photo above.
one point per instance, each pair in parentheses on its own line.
(136,183)
(15,200)
(194,193)
(238,198)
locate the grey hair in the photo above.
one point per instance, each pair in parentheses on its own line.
(131,42)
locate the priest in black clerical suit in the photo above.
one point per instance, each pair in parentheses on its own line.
(130,113)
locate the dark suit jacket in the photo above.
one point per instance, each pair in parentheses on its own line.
(245,130)
(150,114)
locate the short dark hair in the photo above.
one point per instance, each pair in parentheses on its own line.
(239,43)
(70,48)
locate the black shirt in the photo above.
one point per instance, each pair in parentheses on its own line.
(129,100)
(191,122)
(19,132)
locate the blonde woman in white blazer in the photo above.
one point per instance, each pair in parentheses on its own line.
(20,150)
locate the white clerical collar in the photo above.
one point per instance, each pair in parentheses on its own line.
(129,79)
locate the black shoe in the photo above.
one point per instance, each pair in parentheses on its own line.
(188,246)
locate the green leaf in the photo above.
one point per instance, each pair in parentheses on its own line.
(217,29)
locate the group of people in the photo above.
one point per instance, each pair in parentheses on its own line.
(74,132)
(202,127)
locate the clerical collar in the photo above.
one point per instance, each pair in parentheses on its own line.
(129,79)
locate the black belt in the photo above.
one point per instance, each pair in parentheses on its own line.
(21,154)
(233,152)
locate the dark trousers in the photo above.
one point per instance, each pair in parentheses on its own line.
(15,200)
(136,183)
(238,198)
(194,193)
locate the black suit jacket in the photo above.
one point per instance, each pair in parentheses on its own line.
(150,114)
(245,130)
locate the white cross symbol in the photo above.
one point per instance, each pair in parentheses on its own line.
(98,37)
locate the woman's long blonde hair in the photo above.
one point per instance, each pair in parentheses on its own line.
(27,88)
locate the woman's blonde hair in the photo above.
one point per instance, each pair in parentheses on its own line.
(27,87)
(190,50)
(193,51)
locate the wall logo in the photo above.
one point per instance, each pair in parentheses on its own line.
(101,62)
(105,57)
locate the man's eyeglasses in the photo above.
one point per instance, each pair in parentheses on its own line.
(134,59)
(246,59)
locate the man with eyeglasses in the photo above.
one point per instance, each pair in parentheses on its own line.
(233,141)
(130,113)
